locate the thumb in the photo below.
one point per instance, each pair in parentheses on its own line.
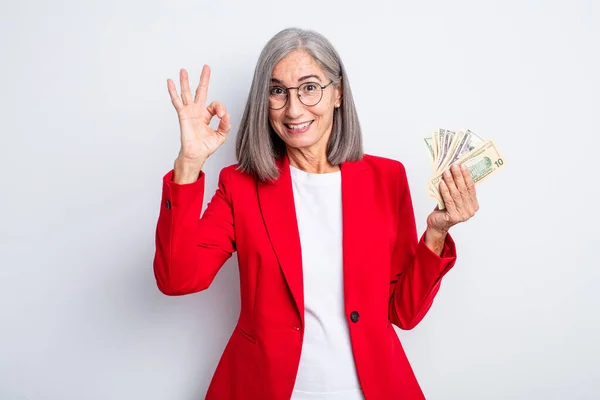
(224,125)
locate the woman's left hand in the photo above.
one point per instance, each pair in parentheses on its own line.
(458,192)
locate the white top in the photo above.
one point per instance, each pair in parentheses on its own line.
(327,369)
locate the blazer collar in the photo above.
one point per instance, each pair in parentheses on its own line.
(279,214)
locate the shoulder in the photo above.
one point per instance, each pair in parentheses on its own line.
(231,175)
(230,169)
(384,165)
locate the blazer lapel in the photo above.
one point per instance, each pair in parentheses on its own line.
(355,217)
(279,215)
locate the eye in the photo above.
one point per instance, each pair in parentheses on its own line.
(277,91)
(310,87)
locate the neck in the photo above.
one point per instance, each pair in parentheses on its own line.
(309,162)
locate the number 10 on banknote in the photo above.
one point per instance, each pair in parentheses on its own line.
(446,148)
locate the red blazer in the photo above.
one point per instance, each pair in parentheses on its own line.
(390,277)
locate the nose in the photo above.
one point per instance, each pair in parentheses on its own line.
(294,107)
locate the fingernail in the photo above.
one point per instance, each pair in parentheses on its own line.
(447,173)
(464,167)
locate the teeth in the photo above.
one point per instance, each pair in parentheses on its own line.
(299,127)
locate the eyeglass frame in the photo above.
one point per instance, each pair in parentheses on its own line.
(287,95)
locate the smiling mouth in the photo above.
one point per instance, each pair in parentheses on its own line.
(299,127)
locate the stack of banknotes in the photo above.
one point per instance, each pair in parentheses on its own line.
(447,148)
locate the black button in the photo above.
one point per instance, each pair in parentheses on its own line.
(354,316)
(168,204)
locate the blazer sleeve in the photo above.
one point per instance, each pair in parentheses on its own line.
(190,249)
(416,271)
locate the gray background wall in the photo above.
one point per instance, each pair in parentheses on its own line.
(87,132)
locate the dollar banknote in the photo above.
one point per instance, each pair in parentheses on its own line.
(447,148)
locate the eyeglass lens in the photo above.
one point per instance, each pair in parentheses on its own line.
(309,94)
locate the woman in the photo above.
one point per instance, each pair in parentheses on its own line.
(328,251)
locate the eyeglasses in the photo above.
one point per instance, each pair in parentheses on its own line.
(309,94)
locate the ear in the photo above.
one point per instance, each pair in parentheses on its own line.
(338,94)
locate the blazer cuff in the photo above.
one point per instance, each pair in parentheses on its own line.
(174,193)
(442,262)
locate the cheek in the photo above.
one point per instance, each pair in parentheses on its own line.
(274,118)
(326,108)
(325,114)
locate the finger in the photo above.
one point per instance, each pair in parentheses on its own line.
(470,186)
(457,175)
(451,210)
(451,186)
(174,96)
(224,126)
(467,206)
(202,89)
(217,108)
(459,201)
(186,95)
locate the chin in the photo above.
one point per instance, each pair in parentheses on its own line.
(301,141)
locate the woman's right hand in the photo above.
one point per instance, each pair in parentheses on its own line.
(198,139)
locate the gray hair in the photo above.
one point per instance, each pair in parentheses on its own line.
(257,145)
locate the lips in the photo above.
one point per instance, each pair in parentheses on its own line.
(298,128)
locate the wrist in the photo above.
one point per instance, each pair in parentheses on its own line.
(186,172)
(437,231)
(435,239)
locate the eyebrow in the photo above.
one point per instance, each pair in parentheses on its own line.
(303,78)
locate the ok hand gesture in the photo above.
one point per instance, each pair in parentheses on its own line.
(198,139)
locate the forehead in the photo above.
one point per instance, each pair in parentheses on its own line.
(296,65)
